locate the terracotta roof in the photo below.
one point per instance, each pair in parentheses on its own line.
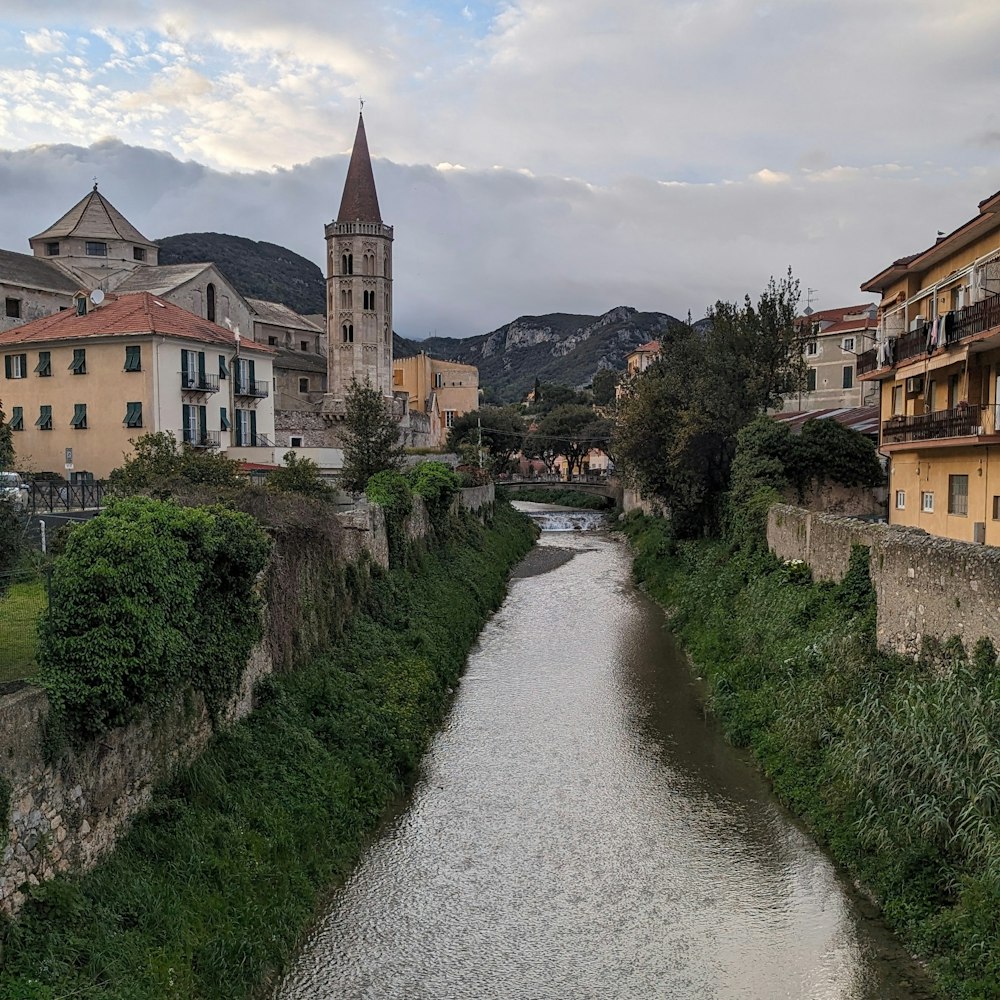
(653,346)
(837,314)
(863,419)
(360,200)
(849,326)
(123,316)
(34,272)
(94,217)
(278,314)
(161,279)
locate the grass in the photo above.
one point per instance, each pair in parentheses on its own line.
(895,765)
(214,886)
(21,605)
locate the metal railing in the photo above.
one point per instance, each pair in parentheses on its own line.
(867,361)
(251,441)
(197,382)
(961,421)
(977,318)
(54,496)
(258,388)
(201,439)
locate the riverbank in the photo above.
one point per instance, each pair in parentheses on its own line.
(211,891)
(894,765)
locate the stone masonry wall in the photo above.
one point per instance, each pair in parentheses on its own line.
(70,812)
(925,585)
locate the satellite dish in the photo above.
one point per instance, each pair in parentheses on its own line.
(97,296)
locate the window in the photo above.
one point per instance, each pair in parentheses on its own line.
(78,366)
(953,391)
(929,398)
(847,344)
(52,249)
(900,499)
(210,303)
(812,348)
(223,418)
(303,345)
(12,308)
(272,341)
(15,365)
(811,380)
(193,370)
(958,495)
(81,305)
(303,385)
(79,421)
(96,249)
(17,418)
(438,381)
(44,421)
(996,503)
(133,414)
(195,420)
(897,400)
(848,376)
(348,332)
(44,367)
(139,253)
(927,502)
(223,370)
(347,263)
(449,418)
(133,358)
(296,442)
(246,428)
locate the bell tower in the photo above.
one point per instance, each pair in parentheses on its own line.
(359,283)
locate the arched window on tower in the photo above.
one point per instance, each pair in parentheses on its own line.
(385,266)
(348,331)
(210,303)
(350,263)
(343,298)
(386,334)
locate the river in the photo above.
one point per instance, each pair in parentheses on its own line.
(581,830)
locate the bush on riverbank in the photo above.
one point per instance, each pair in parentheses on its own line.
(895,764)
(210,892)
(562,497)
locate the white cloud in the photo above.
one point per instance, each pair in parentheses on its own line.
(44,41)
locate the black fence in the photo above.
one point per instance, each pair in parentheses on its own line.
(50,497)
(24,600)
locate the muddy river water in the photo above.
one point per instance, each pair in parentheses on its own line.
(582,830)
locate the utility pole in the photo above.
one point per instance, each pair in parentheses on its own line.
(479,424)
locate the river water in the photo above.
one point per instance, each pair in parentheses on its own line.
(581,830)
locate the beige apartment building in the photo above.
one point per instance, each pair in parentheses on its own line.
(79,386)
(832,340)
(443,390)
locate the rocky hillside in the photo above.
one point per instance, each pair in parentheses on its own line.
(560,347)
(258,270)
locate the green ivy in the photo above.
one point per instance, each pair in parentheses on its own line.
(437,485)
(147,600)
(391,491)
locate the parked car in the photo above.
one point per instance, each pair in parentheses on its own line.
(13,489)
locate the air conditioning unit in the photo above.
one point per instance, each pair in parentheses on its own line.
(914,385)
(917,323)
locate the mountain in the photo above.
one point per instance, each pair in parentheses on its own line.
(258,270)
(559,347)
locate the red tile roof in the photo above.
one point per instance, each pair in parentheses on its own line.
(850,326)
(126,315)
(837,314)
(653,346)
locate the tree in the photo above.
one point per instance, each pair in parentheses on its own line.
(159,464)
(572,430)
(300,475)
(6,442)
(549,395)
(503,430)
(603,386)
(371,436)
(675,435)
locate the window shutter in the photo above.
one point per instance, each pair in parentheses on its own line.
(201,367)
(223,370)
(253,425)
(252,374)
(187,421)
(17,419)
(202,421)
(7,363)
(223,419)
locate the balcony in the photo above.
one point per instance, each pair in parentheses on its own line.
(199,382)
(867,361)
(252,441)
(201,439)
(257,388)
(962,421)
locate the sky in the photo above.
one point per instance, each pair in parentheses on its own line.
(533,156)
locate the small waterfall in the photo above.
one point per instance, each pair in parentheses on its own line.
(555,519)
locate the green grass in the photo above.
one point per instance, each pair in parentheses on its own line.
(21,605)
(895,765)
(211,891)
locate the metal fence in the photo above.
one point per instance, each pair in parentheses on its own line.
(24,599)
(56,496)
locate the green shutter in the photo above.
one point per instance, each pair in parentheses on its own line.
(201,368)
(133,358)
(79,416)
(17,419)
(223,370)
(253,425)
(202,424)
(223,419)
(133,414)
(44,421)
(44,366)
(8,366)
(238,417)
(188,422)
(251,374)
(79,363)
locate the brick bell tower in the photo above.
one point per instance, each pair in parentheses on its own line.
(358,284)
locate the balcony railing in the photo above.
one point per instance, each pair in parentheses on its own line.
(912,344)
(197,382)
(257,388)
(962,421)
(977,318)
(252,441)
(201,439)
(867,361)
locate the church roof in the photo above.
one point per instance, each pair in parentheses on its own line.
(34,272)
(94,217)
(360,200)
(161,278)
(278,314)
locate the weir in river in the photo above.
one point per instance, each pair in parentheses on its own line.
(580,829)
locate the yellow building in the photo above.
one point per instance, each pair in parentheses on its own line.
(443,390)
(79,386)
(937,362)
(636,362)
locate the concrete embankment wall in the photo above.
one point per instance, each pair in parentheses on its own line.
(925,585)
(69,812)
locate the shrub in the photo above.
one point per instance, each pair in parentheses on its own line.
(391,491)
(436,484)
(148,599)
(159,465)
(300,475)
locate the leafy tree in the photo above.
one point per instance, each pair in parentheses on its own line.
(390,490)
(503,430)
(300,475)
(543,448)
(6,442)
(603,386)
(371,436)
(572,430)
(675,435)
(436,484)
(159,464)
(552,395)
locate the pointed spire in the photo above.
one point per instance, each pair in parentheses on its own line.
(360,201)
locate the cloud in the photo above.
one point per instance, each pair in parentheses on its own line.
(44,41)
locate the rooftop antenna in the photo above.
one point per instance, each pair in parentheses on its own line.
(811,293)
